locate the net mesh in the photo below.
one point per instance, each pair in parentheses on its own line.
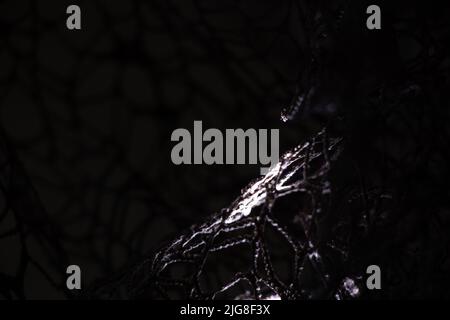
(268,251)
(76,114)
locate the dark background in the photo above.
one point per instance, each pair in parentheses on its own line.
(86,118)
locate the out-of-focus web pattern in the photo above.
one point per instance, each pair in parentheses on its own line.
(24,221)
